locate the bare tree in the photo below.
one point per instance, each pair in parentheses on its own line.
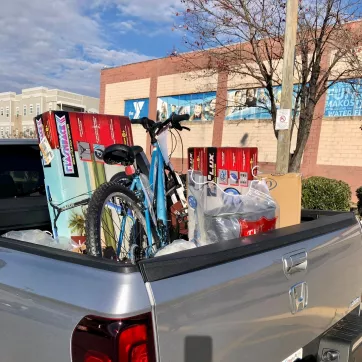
(245,40)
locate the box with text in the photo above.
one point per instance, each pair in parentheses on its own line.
(74,164)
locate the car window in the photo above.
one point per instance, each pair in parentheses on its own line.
(21,171)
(20,183)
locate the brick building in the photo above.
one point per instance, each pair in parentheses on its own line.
(154,87)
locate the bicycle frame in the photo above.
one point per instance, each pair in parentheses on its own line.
(153,189)
(57,210)
(156,187)
(155,192)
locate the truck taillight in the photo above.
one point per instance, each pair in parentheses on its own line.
(133,344)
(108,340)
(93,356)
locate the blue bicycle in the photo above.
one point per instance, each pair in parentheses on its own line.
(135,216)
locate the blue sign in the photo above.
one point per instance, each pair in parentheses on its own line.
(136,108)
(252,103)
(344,100)
(200,106)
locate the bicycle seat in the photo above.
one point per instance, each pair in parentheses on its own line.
(123,154)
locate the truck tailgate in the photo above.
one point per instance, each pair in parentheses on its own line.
(238,300)
(45,293)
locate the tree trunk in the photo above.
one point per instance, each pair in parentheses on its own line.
(305,125)
(296,160)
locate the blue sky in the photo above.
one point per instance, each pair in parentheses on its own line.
(64,43)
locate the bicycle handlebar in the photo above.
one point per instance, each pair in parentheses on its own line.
(155,128)
(138,121)
(180,117)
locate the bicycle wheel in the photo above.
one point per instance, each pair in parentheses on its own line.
(116,221)
(122,178)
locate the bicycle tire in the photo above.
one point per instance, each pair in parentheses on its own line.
(94,211)
(122,178)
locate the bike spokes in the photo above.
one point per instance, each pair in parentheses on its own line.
(121,229)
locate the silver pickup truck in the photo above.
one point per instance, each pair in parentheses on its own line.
(290,294)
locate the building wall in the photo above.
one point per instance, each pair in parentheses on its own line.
(340,142)
(333,148)
(117,93)
(6,113)
(185,83)
(139,136)
(200,135)
(36,101)
(254,133)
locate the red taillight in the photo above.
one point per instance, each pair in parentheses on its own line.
(139,353)
(103,340)
(129,170)
(133,344)
(93,356)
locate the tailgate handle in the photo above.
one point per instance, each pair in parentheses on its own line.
(295,262)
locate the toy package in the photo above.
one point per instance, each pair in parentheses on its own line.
(232,168)
(217,171)
(72,147)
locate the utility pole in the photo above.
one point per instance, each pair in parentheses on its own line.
(286,101)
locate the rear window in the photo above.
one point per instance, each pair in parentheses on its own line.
(21,172)
(20,183)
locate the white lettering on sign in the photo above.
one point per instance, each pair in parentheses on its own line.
(96,128)
(112,130)
(211,166)
(80,126)
(65,147)
(283,119)
(138,107)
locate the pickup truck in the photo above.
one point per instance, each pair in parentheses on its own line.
(286,295)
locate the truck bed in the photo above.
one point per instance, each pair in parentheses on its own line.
(232,297)
(238,296)
(254,299)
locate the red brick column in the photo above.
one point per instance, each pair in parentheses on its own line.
(311,149)
(310,155)
(152,109)
(221,104)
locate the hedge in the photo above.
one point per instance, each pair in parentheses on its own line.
(321,193)
(359,197)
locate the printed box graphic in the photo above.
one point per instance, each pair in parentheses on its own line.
(77,168)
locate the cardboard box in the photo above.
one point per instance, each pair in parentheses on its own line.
(287,191)
(222,166)
(249,159)
(229,167)
(75,142)
(234,166)
(211,160)
(191,158)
